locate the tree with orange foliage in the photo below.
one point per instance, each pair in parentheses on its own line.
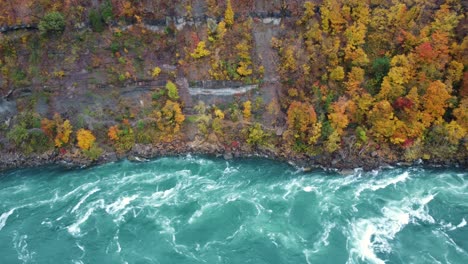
(425,52)
(338,118)
(355,79)
(434,103)
(57,129)
(113,133)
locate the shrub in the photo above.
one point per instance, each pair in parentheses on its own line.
(106,11)
(93,153)
(156,71)
(29,141)
(256,136)
(123,137)
(18,134)
(96,21)
(52,22)
(172,90)
(156,95)
(361,134)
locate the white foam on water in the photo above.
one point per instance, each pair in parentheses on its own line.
(241,227)
(375,185)
(293,186)
(452,227)
(160,198)
(421,213)
(47,223)
(120,204)
(306,253)
(462,223)
(77,206)
(258,206)
(449,241)
(200,211)
(114,245)
(308,188)
(81,187)
(120,207)
(362,232)
(80,247)
(369,236)
(229,170)
(21,246)
(74,229)
(4,218)
(323,240)
(198,160)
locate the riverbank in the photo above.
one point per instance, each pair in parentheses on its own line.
(141,153)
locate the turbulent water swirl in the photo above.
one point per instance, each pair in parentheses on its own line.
(199,210)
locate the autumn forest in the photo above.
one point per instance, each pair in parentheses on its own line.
(331,82)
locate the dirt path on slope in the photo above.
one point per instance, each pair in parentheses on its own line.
(271,87)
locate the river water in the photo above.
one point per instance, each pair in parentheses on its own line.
(202,210)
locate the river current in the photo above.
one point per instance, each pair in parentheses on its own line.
(203,210)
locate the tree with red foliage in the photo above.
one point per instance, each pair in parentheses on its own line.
(403,103)
(425,52)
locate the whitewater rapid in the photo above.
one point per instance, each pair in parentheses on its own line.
(200,210)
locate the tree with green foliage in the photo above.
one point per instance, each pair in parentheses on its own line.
(101,16)
(52,22)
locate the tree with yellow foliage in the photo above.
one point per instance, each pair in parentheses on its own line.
(200,51)
(303,128)
(247,112)
(382,120)
(85,139)
(229,14)
(243,69)
(169,119)
(337,74)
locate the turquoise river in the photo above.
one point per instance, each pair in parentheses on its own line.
(204,210)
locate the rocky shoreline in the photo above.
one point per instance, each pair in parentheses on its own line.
(142,153)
